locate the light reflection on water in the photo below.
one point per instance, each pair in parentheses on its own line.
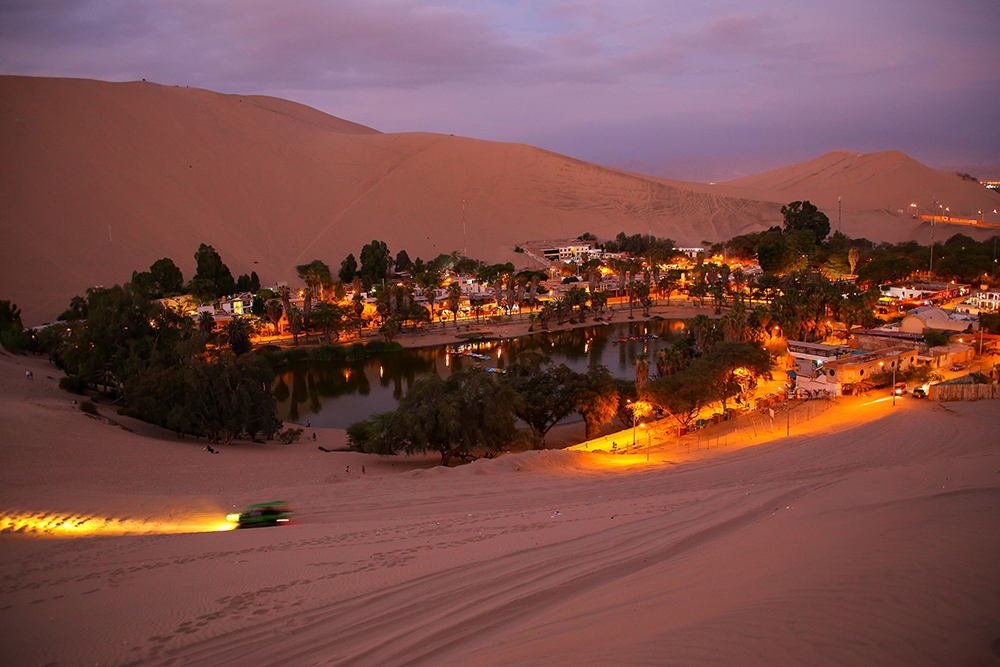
(335,394)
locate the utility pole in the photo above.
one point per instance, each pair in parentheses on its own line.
(839,225)
(465,235)
(934,208)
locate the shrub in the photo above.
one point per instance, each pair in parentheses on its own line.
(73,384)
(290,435)
(88,407)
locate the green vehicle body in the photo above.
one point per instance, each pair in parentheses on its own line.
(273,513)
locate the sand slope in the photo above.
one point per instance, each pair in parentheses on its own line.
(99,179)
(869,540)
(873,186)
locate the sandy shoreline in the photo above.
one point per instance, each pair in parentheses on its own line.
(869,538)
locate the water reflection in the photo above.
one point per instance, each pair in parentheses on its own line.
(336,394)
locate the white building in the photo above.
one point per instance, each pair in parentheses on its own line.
(920,319)
(570,253)
(985,299)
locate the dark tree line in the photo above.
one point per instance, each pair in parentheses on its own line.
(164,369)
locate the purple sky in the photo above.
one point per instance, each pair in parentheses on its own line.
(716,89)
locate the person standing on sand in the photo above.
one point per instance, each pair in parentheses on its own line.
(29,375)
(348,470)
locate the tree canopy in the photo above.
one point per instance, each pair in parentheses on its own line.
(456,416)
(803,215)
(212,270)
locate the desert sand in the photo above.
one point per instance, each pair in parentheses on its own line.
(100,179)
(868,537)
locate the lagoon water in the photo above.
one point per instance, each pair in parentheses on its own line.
(335,394)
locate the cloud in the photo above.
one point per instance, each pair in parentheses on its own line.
(604,80)
(235,42)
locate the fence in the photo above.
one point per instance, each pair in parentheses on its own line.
(745,428)
(964,392)
(757,423)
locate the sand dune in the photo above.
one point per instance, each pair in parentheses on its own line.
(100,179)
(873,186)
(866,538)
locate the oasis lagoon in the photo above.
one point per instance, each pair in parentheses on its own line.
(335,394)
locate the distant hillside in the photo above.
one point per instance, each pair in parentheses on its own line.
(887,181)
(98,179)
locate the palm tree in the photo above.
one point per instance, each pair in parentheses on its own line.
(307,294)
(620,267)
(206,322)
(454,299)
(239,330)
(592,269)
(641,369)
(668,283)
(316,275)
(536,278)
(295,324)
(703,330)
(734,324)
(286,299)
(330,318)
(274,311)
(598,300)
(641,293)
(656,257)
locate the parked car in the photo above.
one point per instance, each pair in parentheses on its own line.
(956,367)
(919,392)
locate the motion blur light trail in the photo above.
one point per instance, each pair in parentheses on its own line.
(54,525)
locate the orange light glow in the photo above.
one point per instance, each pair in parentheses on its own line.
(58,525)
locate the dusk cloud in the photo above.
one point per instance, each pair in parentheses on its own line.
(599,79)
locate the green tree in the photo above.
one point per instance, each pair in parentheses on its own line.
(682,395)
(220,399)
(167,277)
(348,269)
(317,277)
(211,268)
(803,215)
(735,369)
(467,412)
(376,262)
(597,399)
(547,393)
(403,262)
(330,317)
(77,310)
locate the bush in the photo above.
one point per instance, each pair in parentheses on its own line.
(73,384)
(290,435)
(88,407)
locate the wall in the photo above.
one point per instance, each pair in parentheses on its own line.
(964,392)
